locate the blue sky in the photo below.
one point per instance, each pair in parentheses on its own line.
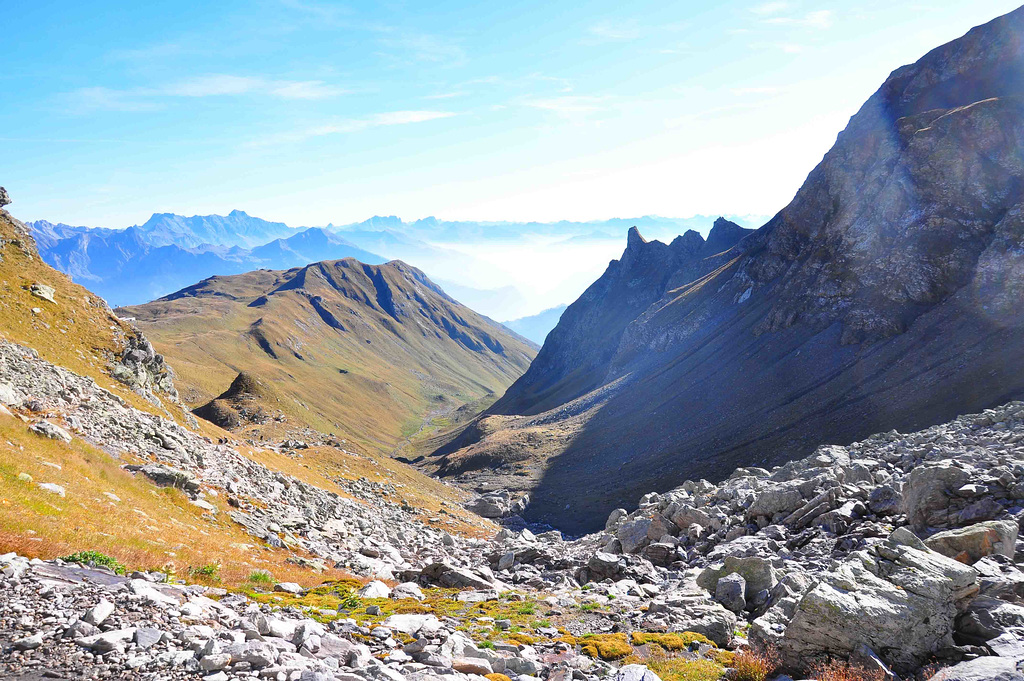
(312,112)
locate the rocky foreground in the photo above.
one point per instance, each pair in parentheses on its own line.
(897,554)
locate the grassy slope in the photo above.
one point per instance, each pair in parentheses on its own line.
(146,527)
(78,331)
(375,381)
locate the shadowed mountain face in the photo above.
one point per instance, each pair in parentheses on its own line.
(887,294)
(365,351)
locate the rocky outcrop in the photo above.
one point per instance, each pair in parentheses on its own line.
(498,504)
(248,400)
(899,600)
(885,295)
(143,369)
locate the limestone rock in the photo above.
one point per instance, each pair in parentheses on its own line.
(971,544)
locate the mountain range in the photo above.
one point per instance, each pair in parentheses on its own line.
(168,251)
(886,295)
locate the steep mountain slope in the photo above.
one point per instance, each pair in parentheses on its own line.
(363,351)
(887,294)
(537,327)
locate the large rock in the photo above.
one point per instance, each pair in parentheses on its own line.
(927,492)
(732,592)
(636,672)
(899,600)
(987,618)
(633,534)
(689,609)
(982,669)
(782,499)
(165,476)
(757,573)
(971,544)
(413,624)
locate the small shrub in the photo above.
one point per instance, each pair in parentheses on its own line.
(676,668)
(209,572)
(524,639)
(97,559)
(605,646)
(489,645)
(589,607)
(347,599)
(542,623)
(725,658)
(673,641)
(836,670)
(527,609)
(260,578)
(754,665)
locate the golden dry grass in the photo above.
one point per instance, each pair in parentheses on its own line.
(77,332)
(438,504)
(144,528)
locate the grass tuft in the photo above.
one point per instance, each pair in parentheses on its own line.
(97,559)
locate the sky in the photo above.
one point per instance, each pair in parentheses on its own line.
(310,112)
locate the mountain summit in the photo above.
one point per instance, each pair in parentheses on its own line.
(368,351)
(885,295)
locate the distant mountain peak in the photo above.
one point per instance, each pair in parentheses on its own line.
(634,239)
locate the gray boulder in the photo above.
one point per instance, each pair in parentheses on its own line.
(636,672)
(633,534)
(757,573)
(784,498)
(731,592)
(987,618)
(982,669)
(971,544)
(898,600)
(927,492)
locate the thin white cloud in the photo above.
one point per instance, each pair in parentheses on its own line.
(420,47)
(217,85)
(609,31)
(569,105)
(447,95)
(90,99)
(817,19)
(352,125)
(768,8)
(212,85)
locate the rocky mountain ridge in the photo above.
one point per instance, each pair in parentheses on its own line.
(884,295)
